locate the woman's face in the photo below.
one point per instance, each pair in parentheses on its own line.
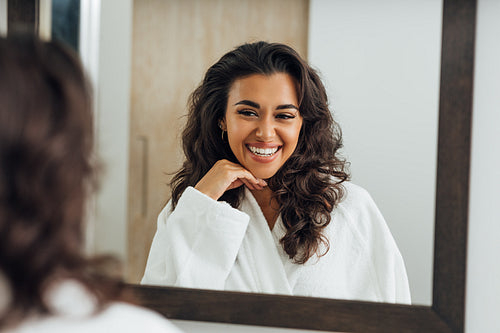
(263,122)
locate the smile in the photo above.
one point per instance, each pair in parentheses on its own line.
(264,152)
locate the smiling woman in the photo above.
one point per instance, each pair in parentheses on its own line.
(304,230)
(263,122)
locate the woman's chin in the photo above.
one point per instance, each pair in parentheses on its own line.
(262,174)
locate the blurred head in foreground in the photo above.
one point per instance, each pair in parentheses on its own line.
(45,175)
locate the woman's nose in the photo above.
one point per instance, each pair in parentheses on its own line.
(265,130)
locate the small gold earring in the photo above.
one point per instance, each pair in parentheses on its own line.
(222,129)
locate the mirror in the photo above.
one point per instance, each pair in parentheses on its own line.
(367,79)
(447,310)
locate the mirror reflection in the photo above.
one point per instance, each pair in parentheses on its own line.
(260,137)
(380,65)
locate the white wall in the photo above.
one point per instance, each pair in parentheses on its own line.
(3,17)
(483,263)
(107,57)
(380,62)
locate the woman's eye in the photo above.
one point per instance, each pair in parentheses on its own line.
(285,116)
(248,113)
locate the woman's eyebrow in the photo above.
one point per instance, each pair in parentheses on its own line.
(287,106)
(249,103)
(257,105)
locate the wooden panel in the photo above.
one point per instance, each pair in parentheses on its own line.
(174,43)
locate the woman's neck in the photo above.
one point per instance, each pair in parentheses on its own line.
(267,204)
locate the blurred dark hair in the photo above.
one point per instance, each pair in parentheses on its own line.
(308,186)
(46,173)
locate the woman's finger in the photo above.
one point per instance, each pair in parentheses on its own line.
(235,184)
(225,175)
(248,184)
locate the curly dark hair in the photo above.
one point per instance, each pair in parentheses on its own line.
(46,173)
(308,186)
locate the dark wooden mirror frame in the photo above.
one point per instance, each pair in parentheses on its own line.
(446,314)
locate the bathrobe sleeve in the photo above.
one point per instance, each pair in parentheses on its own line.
(196,245)
(387,265)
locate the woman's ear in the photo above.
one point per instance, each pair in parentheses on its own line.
(222,124)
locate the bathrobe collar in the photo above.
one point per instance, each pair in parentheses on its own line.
(263,247)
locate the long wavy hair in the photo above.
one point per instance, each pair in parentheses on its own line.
(46,173)
(308,186)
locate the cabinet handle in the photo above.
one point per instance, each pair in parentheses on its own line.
(144,174)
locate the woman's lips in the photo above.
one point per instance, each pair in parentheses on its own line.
(263,152)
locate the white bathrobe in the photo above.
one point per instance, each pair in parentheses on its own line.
(208,244)
(74,309)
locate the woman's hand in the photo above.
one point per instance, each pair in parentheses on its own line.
(226,175)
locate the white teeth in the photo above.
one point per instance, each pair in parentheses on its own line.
(263,151)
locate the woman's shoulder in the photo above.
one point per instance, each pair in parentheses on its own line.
(117,317)
(74,311)
(358,212)
(355,197)
(133,318)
